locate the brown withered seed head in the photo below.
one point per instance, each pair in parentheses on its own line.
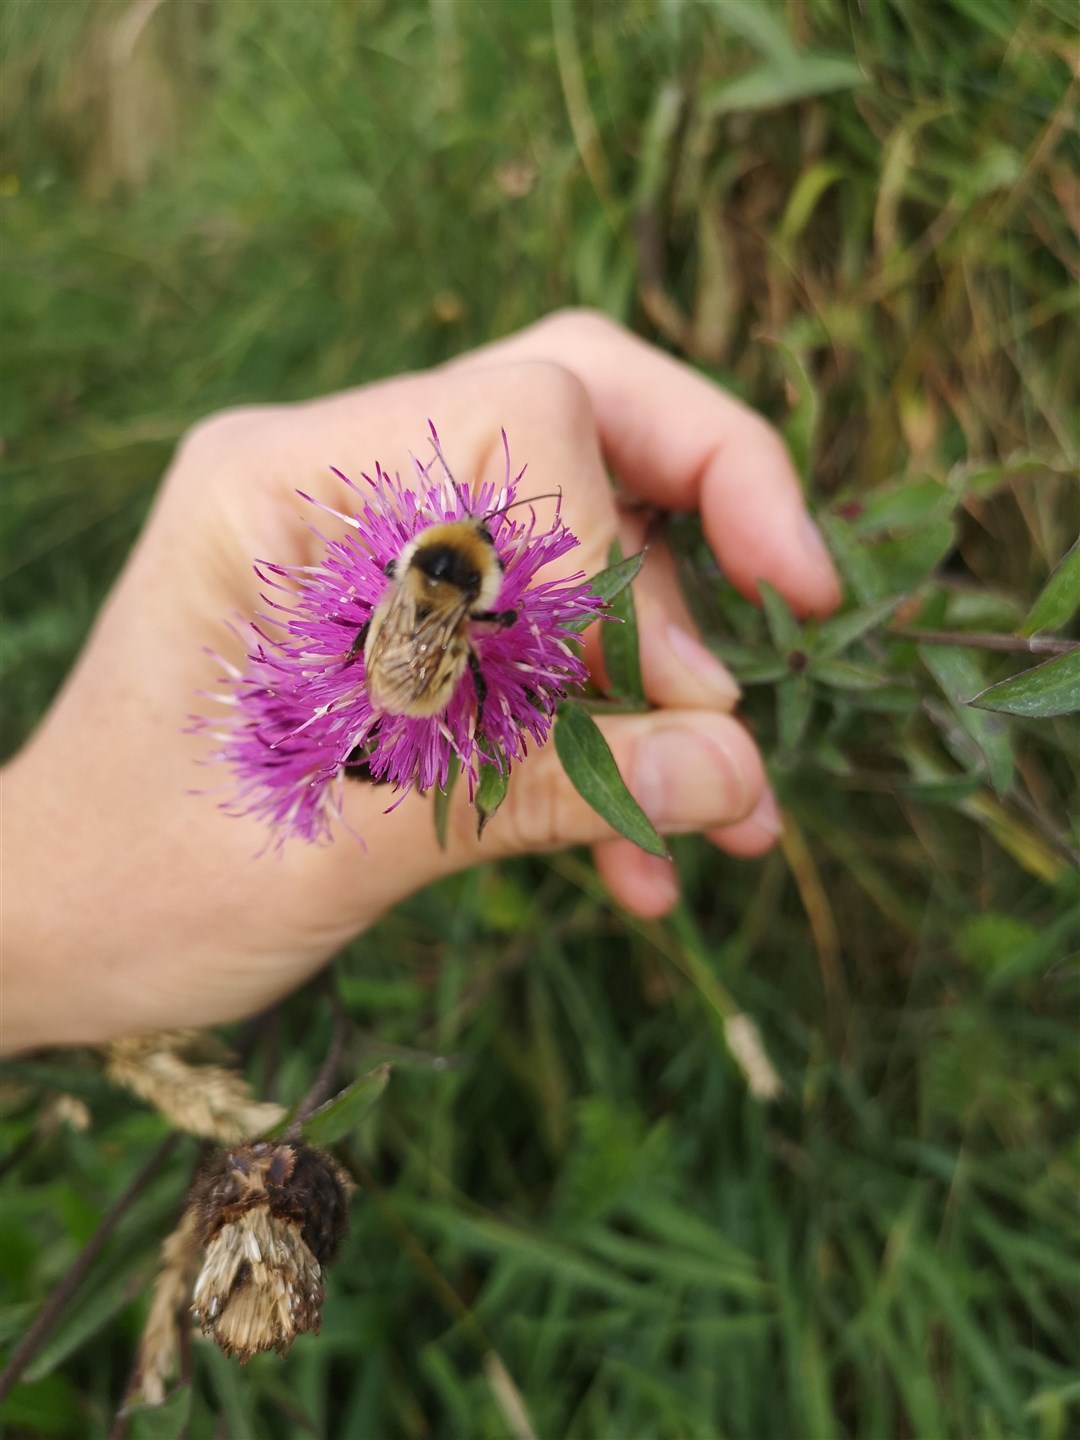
(269,1216)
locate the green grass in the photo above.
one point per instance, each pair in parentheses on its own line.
(266,201)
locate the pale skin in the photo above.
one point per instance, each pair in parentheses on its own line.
(130,904)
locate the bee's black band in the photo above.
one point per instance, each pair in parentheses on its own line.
(447,563)
(502,618)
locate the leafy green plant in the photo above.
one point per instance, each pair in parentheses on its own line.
(575,1218)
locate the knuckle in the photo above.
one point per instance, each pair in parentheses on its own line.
(241,428)
(558,390)
(765,440)
(533,816)
(578,322)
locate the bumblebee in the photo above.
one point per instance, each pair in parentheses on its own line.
(417,644)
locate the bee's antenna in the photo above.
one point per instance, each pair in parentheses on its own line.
(551,495)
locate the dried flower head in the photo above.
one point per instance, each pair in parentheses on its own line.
(269,1217)
(301,713)
(167,1070)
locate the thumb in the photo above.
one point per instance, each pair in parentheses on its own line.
(689,770)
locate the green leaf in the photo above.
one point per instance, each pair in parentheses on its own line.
(906,507)
(766,87)
(908,560)
(958,674)
(1052,688)
(990,941)
(783,627)
(619,641)
(658,137)
(1060,598)
(1041,953)
(97,1302)
(801,424)
(855,559)
(608,583)
(166,1421)
(590,767)
(794,704)
(802,202)
(943,792)
(48,1407)
(764,671)
(334,1120)
(761,27)
(845,675)
(836,635)
(490,793)
(598,705)
(442,802)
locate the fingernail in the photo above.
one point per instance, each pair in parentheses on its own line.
(707,670)
(766,815)
(663,885)
(814,544)
(683,779)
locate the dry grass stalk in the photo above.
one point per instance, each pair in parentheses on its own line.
(160,1343)
(748,1051)
(63,1110)
(209,1100)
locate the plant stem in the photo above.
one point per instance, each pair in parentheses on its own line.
(324,1081)
(981,640)
(47,1317)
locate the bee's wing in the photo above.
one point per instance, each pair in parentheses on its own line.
(414,659)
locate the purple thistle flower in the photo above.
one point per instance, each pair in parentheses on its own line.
(284,775)
(300,710)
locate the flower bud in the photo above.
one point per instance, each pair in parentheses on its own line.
(270,1216)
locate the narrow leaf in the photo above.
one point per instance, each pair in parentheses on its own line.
(794,703)
(958,674)
(490,793)
(855,559)
(608,583)
(845,675)
(1060,598)
(765,87)
(836,635)
(801,425)
(760,27)
(98,1301)
(943,792)
(333,1121)
(783,627)
(905,507)
(166,1421)
(1052,688)
(765,671)
(620,643)
(908,560)
(590,767)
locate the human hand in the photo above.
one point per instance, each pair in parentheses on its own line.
(131,904)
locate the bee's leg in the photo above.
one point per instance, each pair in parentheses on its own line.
(479,685)
(358,761)
(502,618)
(359,643)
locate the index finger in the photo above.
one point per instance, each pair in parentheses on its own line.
(680,442)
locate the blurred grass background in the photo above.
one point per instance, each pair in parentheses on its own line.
(863,218)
